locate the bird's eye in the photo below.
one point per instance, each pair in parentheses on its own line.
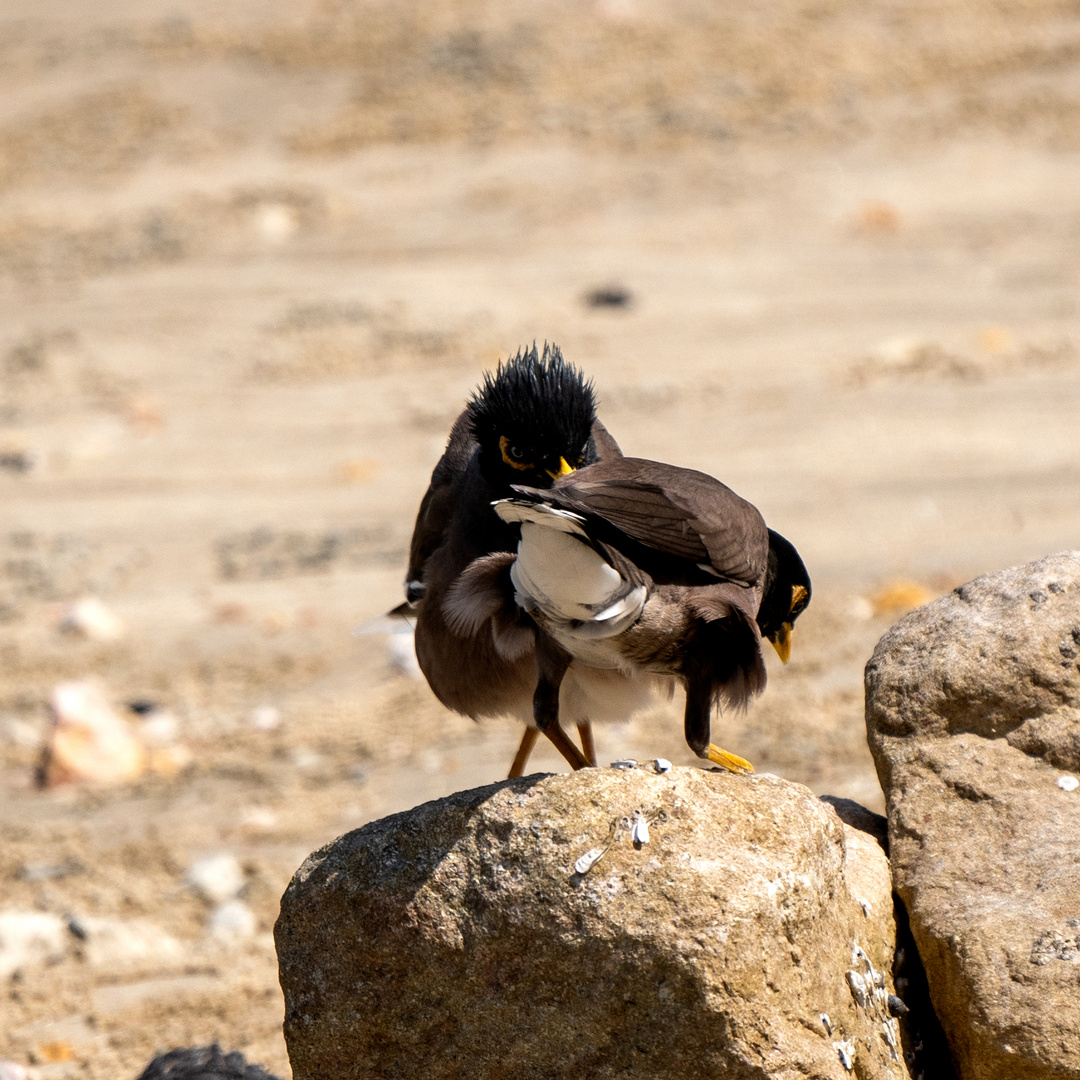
(514,456)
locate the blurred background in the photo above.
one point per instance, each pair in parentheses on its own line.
(254,257)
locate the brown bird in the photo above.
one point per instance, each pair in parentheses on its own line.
(531,422)
(645,568)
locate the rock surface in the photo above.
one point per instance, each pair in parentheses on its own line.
(973,715)
(742,940)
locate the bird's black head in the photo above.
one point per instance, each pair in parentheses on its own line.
(787,592)
(533,419)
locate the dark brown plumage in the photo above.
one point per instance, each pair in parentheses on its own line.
(673,565)
(534,418)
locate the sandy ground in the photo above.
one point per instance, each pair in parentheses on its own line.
(254,257)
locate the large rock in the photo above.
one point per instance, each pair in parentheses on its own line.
(973,714)
(752,936)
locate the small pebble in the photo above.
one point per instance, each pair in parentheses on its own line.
(1068,783)
(90,618)
(624,763)
(218,877)
(662,765)
(233,921)
(265,718)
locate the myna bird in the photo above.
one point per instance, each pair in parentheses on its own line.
(641,567)
(531,422)
(786,595)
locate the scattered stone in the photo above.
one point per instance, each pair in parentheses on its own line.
(662,765)
(91,619)
(233,921)
(88,742)
(29,939)
(16,459)
(11,1070)
(971,709)
(217,877)
(122,943)
(203,1063)
(467,938)
(265,718)
(258,819)
(609,296)
(1068,783)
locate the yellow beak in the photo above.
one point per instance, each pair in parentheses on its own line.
(781,642)
(564,468)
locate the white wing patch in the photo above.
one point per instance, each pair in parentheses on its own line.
(566,578)
(567,585)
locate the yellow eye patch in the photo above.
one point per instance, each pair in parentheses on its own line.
(798,595)
(504,447)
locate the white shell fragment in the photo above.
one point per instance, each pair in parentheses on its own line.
(662,765)
(1068,783)
(587,861)
(846,1052)
(858,988)
(826,1023)
(624,763)
(865,905)
(639,833)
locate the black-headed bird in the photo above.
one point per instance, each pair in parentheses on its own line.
(530,422)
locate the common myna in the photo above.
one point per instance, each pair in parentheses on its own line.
(641,567)
(531,422)
(787,593)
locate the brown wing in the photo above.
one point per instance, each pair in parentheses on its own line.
(437,505)
(606,446)
(682,512)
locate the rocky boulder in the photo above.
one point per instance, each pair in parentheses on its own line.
(610,922)
(973,715)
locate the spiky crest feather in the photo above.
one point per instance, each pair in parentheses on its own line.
(538,401)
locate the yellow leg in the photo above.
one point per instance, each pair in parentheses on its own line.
(731,762)
(528,741)
(584,730)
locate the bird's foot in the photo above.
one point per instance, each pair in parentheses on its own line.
(731,762)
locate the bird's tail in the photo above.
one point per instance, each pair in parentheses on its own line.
(727,653)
